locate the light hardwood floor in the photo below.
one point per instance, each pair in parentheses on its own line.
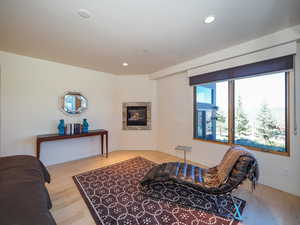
(266,206)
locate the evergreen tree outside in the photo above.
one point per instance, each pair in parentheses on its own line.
(221,122)
(267,127)
(242,128)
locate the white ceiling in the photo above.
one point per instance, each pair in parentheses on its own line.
(149,35)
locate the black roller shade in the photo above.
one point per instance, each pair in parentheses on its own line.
(272,65)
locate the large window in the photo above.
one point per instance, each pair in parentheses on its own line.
(251,111)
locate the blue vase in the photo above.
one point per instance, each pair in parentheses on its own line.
(85,126)
(61,127)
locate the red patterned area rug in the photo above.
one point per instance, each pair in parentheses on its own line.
(114,197)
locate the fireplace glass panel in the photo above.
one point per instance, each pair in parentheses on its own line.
(136,115)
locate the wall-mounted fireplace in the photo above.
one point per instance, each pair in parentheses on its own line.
(137,116)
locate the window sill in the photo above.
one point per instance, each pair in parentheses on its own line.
(211,141)
(287,154)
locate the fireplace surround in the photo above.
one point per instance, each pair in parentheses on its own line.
(137,116)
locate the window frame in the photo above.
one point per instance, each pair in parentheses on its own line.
(231,116)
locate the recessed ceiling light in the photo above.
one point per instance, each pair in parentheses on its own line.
(84,13)
(209,19)
(125,64)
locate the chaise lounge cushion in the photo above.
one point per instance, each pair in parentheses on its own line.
(24,199)
(229,161)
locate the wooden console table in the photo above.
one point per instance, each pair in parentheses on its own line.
(54,137)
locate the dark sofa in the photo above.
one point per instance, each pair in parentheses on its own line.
(24,199)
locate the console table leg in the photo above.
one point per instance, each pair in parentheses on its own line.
(106,145)
(38,147)
(101,144)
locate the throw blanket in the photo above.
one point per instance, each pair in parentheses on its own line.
(216,176)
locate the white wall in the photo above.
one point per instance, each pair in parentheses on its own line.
(175,117)
(30,89)
(137,88)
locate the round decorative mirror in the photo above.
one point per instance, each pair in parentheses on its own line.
(73,103)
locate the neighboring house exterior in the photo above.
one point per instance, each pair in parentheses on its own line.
(206,108)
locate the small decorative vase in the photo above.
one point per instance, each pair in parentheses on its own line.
(85,126)
(61,127)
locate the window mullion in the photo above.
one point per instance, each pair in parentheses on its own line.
(287,111)
(195,112)
(231,111)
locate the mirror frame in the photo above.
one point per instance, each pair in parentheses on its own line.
(61,103)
